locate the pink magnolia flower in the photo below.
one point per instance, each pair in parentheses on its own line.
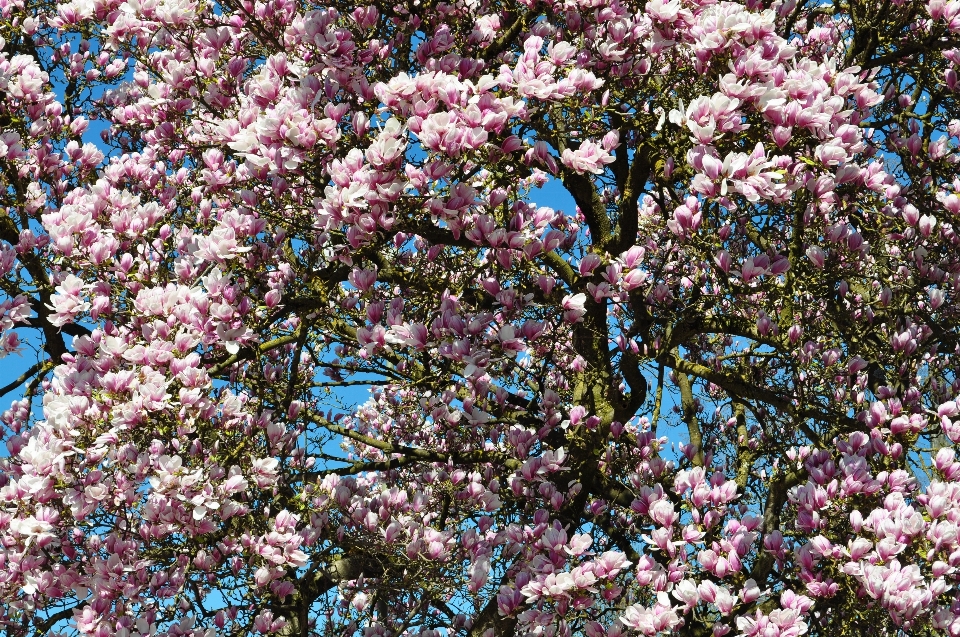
(574,307)
(590,157)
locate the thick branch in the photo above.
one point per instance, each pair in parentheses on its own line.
(588,199)
(626,233)
(490,619)
(772,510)
(689,415)
(560,267)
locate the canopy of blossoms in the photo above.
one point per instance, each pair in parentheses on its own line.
(297,345)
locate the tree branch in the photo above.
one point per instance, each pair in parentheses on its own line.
(689,414)
(38,368)
(588,199)
(628,223)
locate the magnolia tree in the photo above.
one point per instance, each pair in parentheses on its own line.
(304,357)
